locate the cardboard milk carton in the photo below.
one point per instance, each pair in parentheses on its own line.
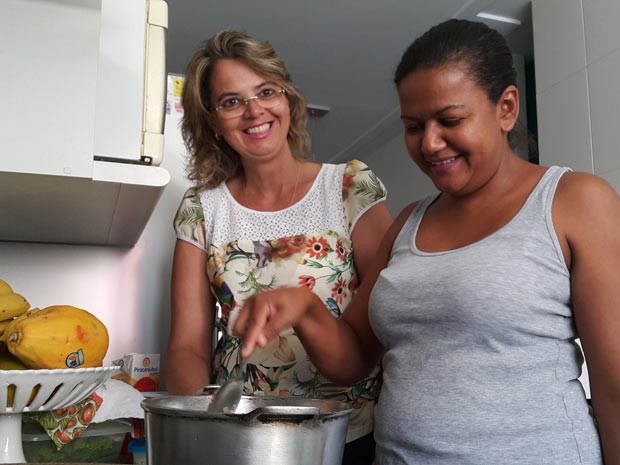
(140,371)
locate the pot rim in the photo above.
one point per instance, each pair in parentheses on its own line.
(249,408)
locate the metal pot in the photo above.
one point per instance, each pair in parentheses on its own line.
(263,430)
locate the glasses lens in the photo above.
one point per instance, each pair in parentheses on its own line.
(266,98)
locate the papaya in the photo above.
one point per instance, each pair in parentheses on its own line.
(60,336)
(14,321)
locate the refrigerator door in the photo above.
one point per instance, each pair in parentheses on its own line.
(131,82)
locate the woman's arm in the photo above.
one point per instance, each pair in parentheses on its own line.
(192,325)
(369,231)
(588,214)
(345,350)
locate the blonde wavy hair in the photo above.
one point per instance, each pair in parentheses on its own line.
(212,161)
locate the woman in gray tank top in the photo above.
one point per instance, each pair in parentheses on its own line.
(481,291)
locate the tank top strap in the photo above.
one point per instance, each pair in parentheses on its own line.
(546,187)
(537,210)
(407,232)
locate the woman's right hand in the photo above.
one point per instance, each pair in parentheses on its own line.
(331,343)
(264,315)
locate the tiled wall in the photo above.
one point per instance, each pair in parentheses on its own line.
(577,59)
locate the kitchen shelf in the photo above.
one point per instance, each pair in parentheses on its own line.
(111,208)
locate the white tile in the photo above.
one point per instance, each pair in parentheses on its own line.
(603,79)
(559,40)
(613,178)
(601,18)
(564,124)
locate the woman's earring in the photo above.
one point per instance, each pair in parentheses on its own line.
(217,136)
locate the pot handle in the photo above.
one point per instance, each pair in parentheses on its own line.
(208,390)
(282,413)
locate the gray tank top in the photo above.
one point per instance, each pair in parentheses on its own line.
(481,363)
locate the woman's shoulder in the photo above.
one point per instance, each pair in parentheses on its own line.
(356,166)
(189,218)
(580,188)
(360,181)
(190,198)
(195,198)
(201,194)
(584,202)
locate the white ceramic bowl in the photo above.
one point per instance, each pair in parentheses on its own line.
(40,391)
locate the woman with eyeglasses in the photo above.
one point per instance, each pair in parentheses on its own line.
(261,217)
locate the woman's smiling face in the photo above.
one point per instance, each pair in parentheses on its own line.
(258,132)
(453,132)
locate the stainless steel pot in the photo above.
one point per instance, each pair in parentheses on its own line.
(263,431)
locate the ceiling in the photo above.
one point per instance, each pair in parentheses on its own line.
(340,53)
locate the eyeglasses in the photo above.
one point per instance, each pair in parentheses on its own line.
(233,107)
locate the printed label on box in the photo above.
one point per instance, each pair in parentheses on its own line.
(140,371)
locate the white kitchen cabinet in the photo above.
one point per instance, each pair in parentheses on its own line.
(81,120)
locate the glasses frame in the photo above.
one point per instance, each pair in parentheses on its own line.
(246,102)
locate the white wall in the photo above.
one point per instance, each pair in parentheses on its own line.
(577,58)
(128,289)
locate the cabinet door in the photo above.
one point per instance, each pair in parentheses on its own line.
(49,50)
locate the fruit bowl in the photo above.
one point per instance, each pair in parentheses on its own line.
(41,391)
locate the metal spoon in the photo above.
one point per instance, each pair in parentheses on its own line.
(227,397)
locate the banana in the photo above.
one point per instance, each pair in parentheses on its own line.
(4,324)
(5,288)
(10,362)
(12,305)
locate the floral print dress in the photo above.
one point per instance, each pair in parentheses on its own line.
(307,244)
